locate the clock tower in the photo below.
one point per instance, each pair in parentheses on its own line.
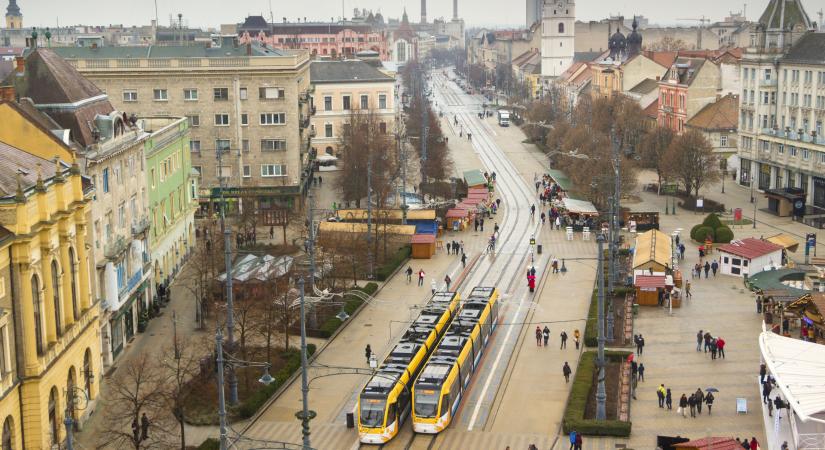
(13,17)
(558,35)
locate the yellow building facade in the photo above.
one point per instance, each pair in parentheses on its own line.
(44,212)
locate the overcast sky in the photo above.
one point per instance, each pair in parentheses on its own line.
(211,13)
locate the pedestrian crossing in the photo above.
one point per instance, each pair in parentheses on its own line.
(325,436)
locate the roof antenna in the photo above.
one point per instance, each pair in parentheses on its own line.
(271,14)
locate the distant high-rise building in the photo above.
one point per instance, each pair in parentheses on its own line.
(533,11)
(558,36)
(13,17)
(455,9)
(423,11)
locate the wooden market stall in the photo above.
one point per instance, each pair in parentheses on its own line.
(811,312)
(653,251)
(475,179)
(639,221)
(423,246)
(648,288)
(457,218)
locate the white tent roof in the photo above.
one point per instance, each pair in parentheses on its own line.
(579,206)
(799,369)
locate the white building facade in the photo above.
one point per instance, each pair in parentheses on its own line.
(558,35)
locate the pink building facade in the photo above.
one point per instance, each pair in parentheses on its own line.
(321,39)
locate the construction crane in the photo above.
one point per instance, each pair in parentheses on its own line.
(702,21)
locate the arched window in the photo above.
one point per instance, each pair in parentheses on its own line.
(561,27)
(87,373)
(53,427)
(8,434)
(58,319)
(38,316)
(328,150)
(73,273)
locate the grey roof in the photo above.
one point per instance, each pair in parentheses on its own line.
(585,56)
(166,51)
(351,71)
(646,86)
(16,161)
(785,15)
(809,49)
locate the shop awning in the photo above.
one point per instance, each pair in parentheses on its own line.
(422,239)
(472,191)
(787,242)
(561,179)
(649,281)
(580,206)
(798,367)
(653,250)
(456,213)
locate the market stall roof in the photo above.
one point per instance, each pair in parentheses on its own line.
(716,443)
(472,201)
(422,239)
(354,227)
(797,366)
(456,213)
(787,242)
(579,206)
(649,281)
(481,195)
(395,214)
(653,248)
(478,190)
(750,248)
(474,178)
(561,179)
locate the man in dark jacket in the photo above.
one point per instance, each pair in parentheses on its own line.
(707,268)
(566,371)
(700,398)
(766,392)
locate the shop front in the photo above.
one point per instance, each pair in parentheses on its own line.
(764,176)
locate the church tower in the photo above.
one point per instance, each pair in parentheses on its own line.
(13,17)
(558,34)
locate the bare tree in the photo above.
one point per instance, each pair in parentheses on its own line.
(653,148)
(200,275)
(365,145)
(691,159)
(136,389)
(668,44)
(179,362)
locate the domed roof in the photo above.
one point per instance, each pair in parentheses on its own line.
(634,37)
(617,40)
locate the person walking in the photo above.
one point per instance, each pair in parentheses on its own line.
(641,372)
(538,335)
(579,441)
(558,222)
(683,403)
(713,349)
(699,339)
(566,370)
(669,399)
(762,371)
(144,427)
(463,260)
(709,401)
(707,338)
(409,273)
(475,224)
(687,290)
(481,224)
(421,277)
(576,336)
(573,440)
(495,229)
(368,353)
(543,217)
(700,398)
(707,268)
(714,267)
(532,211)
(754,443)
(660,392)
(720,344)
(546,335)
(766,392)
(682,251)
(447,281)
(563,336)
(692,405)
(640,346)
(433,286)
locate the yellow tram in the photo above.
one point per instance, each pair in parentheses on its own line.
(439,389)
(385,402)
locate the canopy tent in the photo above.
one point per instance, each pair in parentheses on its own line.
(472,201)
(393,214)
(580,207)
(787,242)
(351,227)
(798,367)
(561,179)
(474,178)
(653,250)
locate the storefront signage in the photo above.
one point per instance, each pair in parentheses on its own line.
(258,191)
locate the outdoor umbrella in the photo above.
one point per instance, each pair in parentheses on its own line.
(712,389)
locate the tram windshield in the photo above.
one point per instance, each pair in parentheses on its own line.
(426,402)
(372,412)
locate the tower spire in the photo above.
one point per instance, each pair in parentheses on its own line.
(13,17)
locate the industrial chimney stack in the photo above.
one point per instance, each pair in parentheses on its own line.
(423,11)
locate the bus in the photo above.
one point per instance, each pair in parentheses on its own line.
(440,387)
(503,118)
(386,400)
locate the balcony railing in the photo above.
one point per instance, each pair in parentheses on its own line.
(115,248)
(140,225)
(767,83)
(134,280)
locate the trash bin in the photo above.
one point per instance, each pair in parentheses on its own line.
(635,309)
(538,249)
(350,420)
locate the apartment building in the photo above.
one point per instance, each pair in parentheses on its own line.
(247,104)
(781,112)
(49,317)
(341,87)
(688,86)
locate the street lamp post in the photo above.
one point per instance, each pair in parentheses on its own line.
(230,310)
(601,393)
(305,415)
(71,405)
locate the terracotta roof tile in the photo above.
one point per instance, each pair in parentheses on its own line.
(722,114)
(750,248)
(717,443)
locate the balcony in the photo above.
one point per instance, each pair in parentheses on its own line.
(133,281)
(767,83)
(115,248)
(140,225)
(303,123)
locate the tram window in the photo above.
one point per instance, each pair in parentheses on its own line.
(392,413)
(426,402)
(476,345)
(445,404)
(372,412)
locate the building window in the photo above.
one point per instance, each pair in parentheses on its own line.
(5,365)
(195,146)
(245,145)
(561,27)
(243,93)
(221,120)
(780,148)
(382,127)
(244,119)
(347,105)
(273,118)
(194,121)
(273,145)
(723,140)
(190,95)
(73,275)
(270,93)
(328,130)
(792,151)
(130,96)
(365,102)
(327,103)
(806,154)
(58,316)
(105,180)
(38,315)
(247,171)
(198,169)
(160,95)
(221,145)
(221,94)
(223,171)
(382,101)
(273,170)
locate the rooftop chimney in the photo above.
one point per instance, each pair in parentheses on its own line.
(7,93)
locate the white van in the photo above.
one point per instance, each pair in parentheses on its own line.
(503,118)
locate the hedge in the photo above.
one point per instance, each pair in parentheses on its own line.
(576,404)
(351,303)
(253,403)
(591,331)
(210,444)
(703,233)
(712,220)
(386,269)
(723,235)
